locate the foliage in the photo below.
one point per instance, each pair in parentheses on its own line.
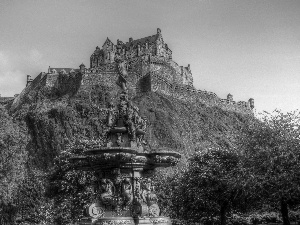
(212,184)
(13,157)
(69,189)
(30,198)
(166,181)
(272,159)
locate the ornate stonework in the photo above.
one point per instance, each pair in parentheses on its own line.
(123,189)
(150,50)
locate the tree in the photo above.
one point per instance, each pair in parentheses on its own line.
(272,159)
(13,158)
(166,181)
(69,189)
(211,186)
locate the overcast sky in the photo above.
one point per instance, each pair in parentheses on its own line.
(246,48)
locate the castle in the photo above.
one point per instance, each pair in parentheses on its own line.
(150,67)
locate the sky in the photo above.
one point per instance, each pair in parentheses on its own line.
(249,48)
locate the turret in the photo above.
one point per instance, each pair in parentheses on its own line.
(29,80)
(158,31)
(139,49)
(251,103)
(229,97)
(82,68)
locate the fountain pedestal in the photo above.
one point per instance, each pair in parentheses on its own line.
(124,192)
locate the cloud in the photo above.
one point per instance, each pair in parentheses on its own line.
(14,66)
(3,60)
(35,57)
(5,64)
(11,82)
(10,79)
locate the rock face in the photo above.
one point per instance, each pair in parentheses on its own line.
(56,118)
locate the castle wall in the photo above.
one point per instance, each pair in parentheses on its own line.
(158,83)
(30,92)
(153,74)
(4,100)
(107,79)
(51,79)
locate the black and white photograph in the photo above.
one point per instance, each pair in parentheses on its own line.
(149,112)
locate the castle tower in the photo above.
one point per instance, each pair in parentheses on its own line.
(251,103)
(108,51)
(229,97)
(159,43)
(82,68)
(29,80)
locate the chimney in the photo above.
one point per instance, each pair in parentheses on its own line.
(130,40)
(158,31)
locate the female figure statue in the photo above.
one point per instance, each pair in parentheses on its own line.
(127,191)
(108,190)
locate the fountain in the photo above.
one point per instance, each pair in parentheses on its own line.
(124,192)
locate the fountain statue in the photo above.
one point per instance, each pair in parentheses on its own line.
(124,190)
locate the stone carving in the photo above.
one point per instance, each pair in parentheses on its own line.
(145,200)
(111,114)
(148,195)
(96,211)
(115,222)
(160,221)
(139,159)
(122,71)
(127,192)
(127,116)
(165,159)
(123,105)
(130,122)
(108,189)
(119,139)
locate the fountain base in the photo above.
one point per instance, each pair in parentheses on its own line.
(108,221)
(160,220)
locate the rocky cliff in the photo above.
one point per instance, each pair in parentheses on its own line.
(57,116)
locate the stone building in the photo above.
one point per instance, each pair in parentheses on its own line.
(150,49)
